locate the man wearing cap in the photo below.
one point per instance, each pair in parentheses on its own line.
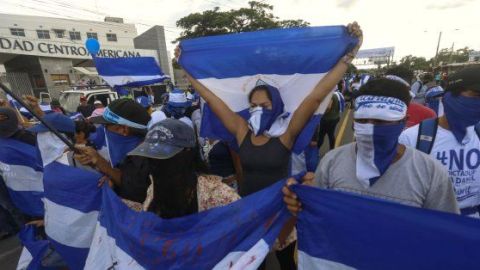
(376,165)
(454,138)
(84,108)
(99,109)
(124,127)
(175,108)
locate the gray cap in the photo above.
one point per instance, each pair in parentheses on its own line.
(165,139)
(8,122)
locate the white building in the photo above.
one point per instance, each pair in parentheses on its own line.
(42,54)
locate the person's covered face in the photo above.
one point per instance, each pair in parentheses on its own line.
(260,98)
(118,129)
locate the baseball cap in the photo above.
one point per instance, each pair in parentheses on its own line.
(467,78)
(60,122)
(97,102)
(124,112)
(9,125)
(166,139)
(177,98)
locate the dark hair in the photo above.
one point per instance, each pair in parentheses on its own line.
(175,183)
(402,72)
(427,77)
(387,88)
(83,126)
(257,89)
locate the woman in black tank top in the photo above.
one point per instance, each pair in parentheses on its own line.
(265,158)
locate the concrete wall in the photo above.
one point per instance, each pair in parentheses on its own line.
(125,32)
(154,39)
(51,66)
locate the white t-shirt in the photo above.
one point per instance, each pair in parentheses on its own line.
(461,160)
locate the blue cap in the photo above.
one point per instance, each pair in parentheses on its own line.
(144,101)
(59,121)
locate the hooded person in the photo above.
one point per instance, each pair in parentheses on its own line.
(376,164)
(176,108)
(453,139)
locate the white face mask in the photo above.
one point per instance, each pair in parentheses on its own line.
(50,146)
(366,168)
(255,119)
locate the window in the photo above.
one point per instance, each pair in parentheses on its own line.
(92,35)
(74,35)
(43,34)
(19,32)
(59,33)
(112,37)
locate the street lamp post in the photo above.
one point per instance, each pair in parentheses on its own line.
(438,47)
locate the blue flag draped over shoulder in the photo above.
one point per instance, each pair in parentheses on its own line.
(22,172)
(236,236)
(291,60)
(342,231)
(129,71)
(72,201)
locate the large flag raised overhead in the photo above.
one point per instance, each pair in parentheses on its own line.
(292,60)
(343,231)
(129,71)
(22,172)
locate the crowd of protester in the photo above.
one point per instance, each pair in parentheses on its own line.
(153,155)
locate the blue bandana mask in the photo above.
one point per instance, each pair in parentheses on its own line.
(259,120)
(461,112)
(119,146)
(376,149)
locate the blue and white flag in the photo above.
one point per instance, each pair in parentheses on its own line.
(72,201)
(291,60)
(129,71)
(33,251)
(236,236)
(21,169)
(344,231)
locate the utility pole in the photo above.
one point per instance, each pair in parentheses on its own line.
(438,47)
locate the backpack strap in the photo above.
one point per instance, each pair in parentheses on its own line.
(427,131)
(477,129)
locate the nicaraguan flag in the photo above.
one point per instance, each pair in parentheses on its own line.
(236,236)
(22,172)
(291,60)
(129,71)
(72,201)
(33,251)
(343,231)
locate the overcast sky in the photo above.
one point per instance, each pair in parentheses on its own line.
(412,26)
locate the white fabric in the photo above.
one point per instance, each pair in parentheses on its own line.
(379,107)
(366,168)
(398,79)
(249,260)
(105,254)
(125,79)
(461,160)
(299,163)
(50,146)
(177,97)
(24,260)
(69,226)
(307,262)
(156,117)
(21,178)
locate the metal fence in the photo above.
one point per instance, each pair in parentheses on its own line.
(18,82)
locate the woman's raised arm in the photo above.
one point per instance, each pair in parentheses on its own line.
(311,103)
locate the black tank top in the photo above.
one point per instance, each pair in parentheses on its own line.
(262,165)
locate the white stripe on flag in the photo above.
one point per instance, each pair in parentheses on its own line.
(25,259)
(68,226)
(105,254)
(241,260)
(307,262)
(293,89)
(125,79)
(21,178)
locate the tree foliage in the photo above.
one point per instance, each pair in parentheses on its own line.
(256,16)
(447,56)
(415,63)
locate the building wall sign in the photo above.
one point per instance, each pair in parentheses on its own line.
(64,50)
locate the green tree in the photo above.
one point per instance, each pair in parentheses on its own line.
(447,56)
(256,16)
(415,63)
